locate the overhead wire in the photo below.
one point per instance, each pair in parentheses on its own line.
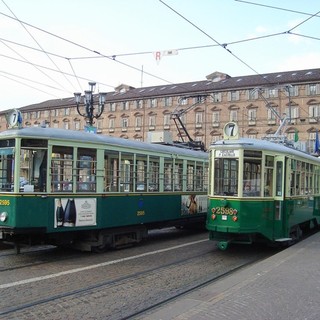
(29,80)
(115,56)
(51,69)
(34,39)
(24,84)
(277,8)
(224,46)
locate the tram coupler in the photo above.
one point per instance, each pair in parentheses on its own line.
(223,245)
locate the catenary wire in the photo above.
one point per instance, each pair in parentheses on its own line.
(34,39)
(138,69)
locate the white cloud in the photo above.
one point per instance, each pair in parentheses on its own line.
(300,62)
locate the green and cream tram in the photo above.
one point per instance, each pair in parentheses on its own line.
(260,191)
(93,191)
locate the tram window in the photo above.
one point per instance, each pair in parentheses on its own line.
(111,171)
(190,176)
(268,176)
(252,177)
(33,170)
(61,169)
(200,178)
(168,176)
(6,169)
(178,177)
(316,180)
(86,170)
(141,176)
(279,182)
(153,175)
(125,176)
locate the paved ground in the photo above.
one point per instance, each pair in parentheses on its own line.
(283,287)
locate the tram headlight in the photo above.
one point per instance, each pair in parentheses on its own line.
(3,216)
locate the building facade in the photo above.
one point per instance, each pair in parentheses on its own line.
(257,103)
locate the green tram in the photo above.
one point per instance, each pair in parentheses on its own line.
(260,191)
(93,191)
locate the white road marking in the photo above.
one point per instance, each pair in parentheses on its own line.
(94,266)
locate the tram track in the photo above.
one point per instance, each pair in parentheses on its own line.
(46,254)
(35,256)
(106,284)
(139,290)
(160,304)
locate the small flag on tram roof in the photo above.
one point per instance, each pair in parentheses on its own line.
(316,145)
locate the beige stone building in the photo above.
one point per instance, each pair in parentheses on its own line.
(255,102)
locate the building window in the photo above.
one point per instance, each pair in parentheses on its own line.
(233,115)
(124,123)
(112,107)
(272,93)
(167,101)
(252,94)
(292,112)
(37,114)
(217,97)
(314,113)
(252,116)
(199,119)
(183,101)
(312,89)
(166,121)
(66,125)
(152,122)
(139,104)
(153,103)
(233,95)
(77,125)
(111,123)
(215,119)
(199,99)
(271,114)
(138,123)
(252,135)
(125,105)
(293,91)
(99,125)
(66,111)
(55,112)
(291,135)
(215,138)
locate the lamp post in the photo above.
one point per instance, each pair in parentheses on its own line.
(88,102)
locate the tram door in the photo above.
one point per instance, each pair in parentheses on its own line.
(279,220)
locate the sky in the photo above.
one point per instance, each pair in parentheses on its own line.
(51,49)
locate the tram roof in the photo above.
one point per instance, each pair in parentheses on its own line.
(82,136)
(263,145)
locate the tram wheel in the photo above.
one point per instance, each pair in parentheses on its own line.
(99,249)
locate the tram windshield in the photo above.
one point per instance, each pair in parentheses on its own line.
(238,176)
(226,176)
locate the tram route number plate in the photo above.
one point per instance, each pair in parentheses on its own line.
(224,217)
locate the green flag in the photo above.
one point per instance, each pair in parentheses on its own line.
(296,137)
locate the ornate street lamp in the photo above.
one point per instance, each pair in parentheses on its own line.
(88,104)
